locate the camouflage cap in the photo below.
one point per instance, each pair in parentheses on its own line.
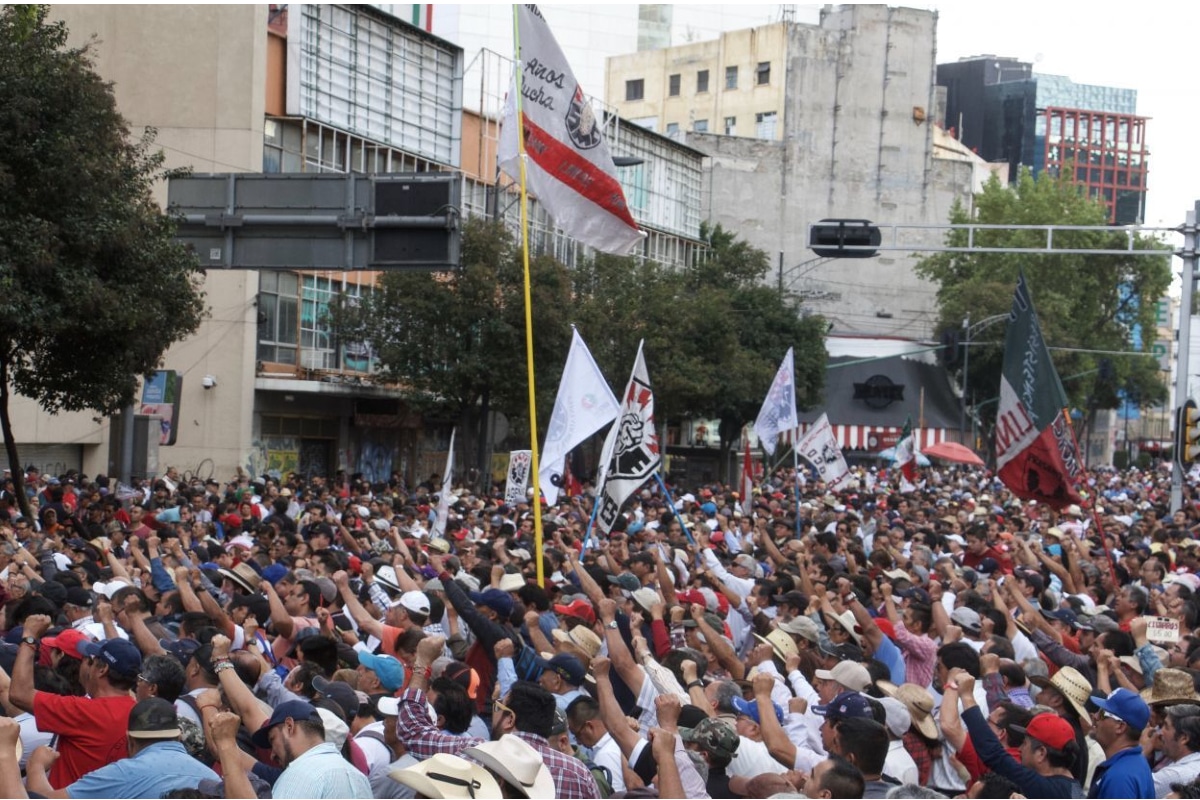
(713,736)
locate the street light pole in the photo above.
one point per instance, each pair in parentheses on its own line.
(1183,352)
(962,422)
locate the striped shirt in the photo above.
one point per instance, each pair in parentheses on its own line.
(322,772)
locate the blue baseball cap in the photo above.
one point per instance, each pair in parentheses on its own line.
(388,669)
(749,708)
(847,705)
(1126,706)
(496,600)
(122,656)
(567,667)
(293,709)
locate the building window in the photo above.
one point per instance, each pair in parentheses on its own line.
(731,77)
(635,90)
(278,314)
(764,125)
(764,73)
(700,126)
(702,81)
(731,126)
(672,128)
(673,85)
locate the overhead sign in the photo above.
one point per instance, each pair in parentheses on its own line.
(320,221)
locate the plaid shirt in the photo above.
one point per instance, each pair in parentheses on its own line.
(917,748)
(572,780)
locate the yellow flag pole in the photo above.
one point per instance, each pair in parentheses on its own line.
(533,429)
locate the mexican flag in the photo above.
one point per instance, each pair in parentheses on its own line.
(906,456)
(1035,448)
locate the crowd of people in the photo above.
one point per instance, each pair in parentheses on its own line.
(301,636)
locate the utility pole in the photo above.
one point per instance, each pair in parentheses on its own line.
(1183,350)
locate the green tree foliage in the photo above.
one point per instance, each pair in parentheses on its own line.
(1090,302)
(713,335)
(455,341)
(93,288)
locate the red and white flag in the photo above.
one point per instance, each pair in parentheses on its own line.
(747,485)
(569,167)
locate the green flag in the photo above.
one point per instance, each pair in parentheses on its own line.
(1035,448)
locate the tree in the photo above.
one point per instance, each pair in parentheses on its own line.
(93,287)
(1089,302)
(714,333)
(454,342)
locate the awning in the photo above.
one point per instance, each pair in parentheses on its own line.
(873,438)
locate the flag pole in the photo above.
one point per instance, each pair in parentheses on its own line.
(796,476)
(533,434)
(674,510)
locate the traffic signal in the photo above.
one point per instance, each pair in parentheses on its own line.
(950,353)
(1187,433)
(830,238)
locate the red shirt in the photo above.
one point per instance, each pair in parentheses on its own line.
(970,759)
(91,732)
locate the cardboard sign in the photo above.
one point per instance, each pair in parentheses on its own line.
(1162,629)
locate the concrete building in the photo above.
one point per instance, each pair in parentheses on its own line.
(852,105)
(732,85)
(1006,112)
(266,386)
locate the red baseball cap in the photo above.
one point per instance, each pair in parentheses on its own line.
(884,624)
(1049,729)
(717,537)
(67,641)
(578,608)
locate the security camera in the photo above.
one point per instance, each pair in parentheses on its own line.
(208,382)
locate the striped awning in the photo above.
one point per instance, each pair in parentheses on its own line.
(873,438)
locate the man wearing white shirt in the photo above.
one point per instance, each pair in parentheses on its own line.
(1181,744)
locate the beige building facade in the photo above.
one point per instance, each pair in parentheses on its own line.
(196,74)
(733,86)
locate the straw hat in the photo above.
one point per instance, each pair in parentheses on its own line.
(511,758)
(445,775)
(919,703)
(244,576)
(783,644)
(581,637)
(1071,685)
(1171,687)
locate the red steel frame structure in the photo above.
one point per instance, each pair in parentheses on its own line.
(1107,152)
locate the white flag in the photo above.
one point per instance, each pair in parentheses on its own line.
(632,451)
(778,413)
(516,489)
(819,447)
(584,405)
(569,167)
(446,498)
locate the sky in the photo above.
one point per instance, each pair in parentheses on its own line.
(1144,46)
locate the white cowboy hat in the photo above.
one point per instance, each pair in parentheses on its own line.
(515,761)
(444,775)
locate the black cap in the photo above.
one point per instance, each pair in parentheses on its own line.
(154,718)
(339,692)
(78,596)
(793,599)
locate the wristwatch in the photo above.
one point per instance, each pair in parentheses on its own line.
(29,640)
(611,624)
